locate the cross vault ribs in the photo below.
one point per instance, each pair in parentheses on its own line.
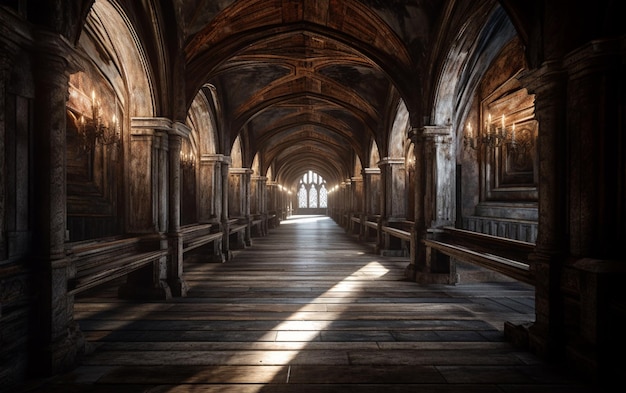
(317,72)
(331,98)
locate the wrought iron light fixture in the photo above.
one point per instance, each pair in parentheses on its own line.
(187,160)
(93,130)
(493,136)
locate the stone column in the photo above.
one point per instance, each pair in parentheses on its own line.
(175,279)
(440,173)
(597,201)
(147,174)
(371,177)
(436,188)
(148,200)
(239,194)
(264,208)
(392,188)
(549,84)
(5,70)
(225,209)
(258,199)
(393,208)
(347,204)
(209,188)
(210,197)
(418,265)
(7,49)
(357,203)
(357,194)
(271,202)
(57,337)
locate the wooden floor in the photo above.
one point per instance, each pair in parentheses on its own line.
(309,309)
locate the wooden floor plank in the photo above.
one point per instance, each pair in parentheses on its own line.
(309,309)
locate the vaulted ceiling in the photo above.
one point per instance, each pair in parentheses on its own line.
(307,84)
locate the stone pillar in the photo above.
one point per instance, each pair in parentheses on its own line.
(357,195)
(177,284)
(225,209)
(271,202)
(347,204)
(436,188)
(209,188)
(393,208)
(148,200)
(210,197)
(392,188)
(546,336)
(258,203)
(264,209)
(357,204)
(597,201)
(5,70)
(440,173)
(239,194)
(371,177)
(148,173)
(418,265)
(57,337)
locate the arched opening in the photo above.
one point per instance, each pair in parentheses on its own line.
(312,194)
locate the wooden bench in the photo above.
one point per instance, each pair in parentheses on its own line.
(198,235)
(272,220)
(237,233)
(354,227)
(506,256)
(257,227)
(371,224)
(103,260)
(202,242)
(399,233)
(403,235)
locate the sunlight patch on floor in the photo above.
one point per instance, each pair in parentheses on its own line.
(301,331)
(303,219)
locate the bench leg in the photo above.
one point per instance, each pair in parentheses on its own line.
(237,241)
(436,270)
(147,283)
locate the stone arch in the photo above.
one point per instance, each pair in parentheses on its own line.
(112,86)
(398,132)
(110,40)
(202,123)
(236,154)
(374,155)
(358,167)
(256,165)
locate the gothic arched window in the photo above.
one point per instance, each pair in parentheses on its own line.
(312,192)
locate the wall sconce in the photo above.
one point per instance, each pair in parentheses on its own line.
(94,130)
(493,136)
(187,160)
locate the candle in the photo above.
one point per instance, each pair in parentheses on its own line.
(513,133)
(469,129)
